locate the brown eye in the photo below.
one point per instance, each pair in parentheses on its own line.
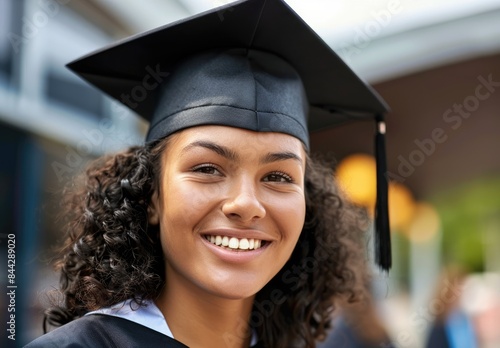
(278,177)
(208,169)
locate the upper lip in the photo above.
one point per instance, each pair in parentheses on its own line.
(238,233)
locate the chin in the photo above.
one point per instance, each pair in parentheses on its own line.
(237,289)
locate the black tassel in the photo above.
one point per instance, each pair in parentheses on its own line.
(383,255)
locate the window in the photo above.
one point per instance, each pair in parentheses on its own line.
(74,95)
(10,37)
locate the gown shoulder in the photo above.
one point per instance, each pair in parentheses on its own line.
(104,331)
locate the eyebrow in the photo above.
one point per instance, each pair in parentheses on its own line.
(218,149)
(233,156)
(280,156)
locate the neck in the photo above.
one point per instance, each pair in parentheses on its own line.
(200,319)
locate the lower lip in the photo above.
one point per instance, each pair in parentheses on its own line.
(234,256)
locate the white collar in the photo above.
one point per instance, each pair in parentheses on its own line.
(147,315)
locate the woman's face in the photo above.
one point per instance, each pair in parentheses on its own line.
(230,207)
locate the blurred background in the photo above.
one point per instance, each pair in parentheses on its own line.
(436,63)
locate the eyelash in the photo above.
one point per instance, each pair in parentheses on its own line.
(202,167)
(283,175)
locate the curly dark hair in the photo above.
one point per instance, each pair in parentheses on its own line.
(111,254)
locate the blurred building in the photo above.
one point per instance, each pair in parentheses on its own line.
(436,63)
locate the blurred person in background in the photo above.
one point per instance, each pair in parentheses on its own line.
(452,327)
(357,325)
(481,299)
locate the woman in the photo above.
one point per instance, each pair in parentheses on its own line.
(220,230)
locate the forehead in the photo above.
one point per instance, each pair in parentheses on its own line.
(237,139)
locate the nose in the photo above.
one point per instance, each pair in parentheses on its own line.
(243,202)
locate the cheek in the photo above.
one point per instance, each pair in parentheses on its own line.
(186,203)
(180,215)
(289,214)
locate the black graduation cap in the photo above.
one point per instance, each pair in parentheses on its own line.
(252,64)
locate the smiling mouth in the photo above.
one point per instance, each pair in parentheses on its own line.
(233,243)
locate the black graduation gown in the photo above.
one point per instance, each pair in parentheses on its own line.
(105,331)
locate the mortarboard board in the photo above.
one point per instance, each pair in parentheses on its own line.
(252,64)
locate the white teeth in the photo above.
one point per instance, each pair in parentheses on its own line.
(244,244)
(257,244)
(235,243)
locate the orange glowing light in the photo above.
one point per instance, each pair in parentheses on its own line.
(356,175)
(401,206)
(425,224)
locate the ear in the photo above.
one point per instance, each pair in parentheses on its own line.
(153,211)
